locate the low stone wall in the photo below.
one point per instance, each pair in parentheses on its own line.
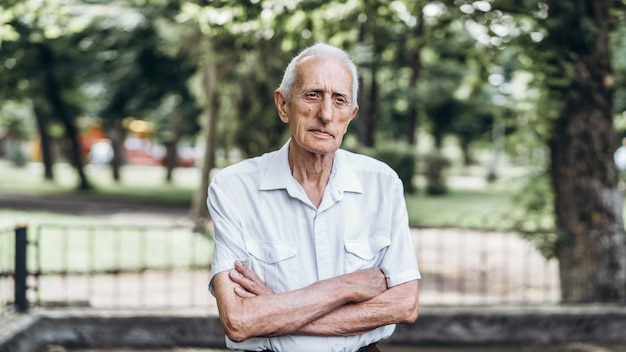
(515,325)
(436,325)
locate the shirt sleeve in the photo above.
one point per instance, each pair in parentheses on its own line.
(227,229)
(400,261)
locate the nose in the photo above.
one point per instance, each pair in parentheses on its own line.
(326,110)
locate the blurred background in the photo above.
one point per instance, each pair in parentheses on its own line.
(501,117)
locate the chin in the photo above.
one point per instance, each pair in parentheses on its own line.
(322,151)
(320,147)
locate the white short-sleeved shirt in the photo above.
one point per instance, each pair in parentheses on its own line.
(263,217)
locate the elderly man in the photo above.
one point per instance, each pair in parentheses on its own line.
(313,251)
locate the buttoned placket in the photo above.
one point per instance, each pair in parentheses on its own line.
(322,239)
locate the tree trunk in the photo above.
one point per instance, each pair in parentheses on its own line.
(437,134)
(588,205)
(200,211)
(171,148)
(412,122)
(114,125)
(45,142)
(364,130)
(52,93)
(170,160)
(464,144)
(117,135)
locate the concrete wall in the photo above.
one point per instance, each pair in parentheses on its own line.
(449,325)
(515,325)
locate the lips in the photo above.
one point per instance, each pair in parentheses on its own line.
(322,132)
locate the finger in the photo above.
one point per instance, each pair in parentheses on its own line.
(237,277)
(243,293)
(255,286)
(250,281)
(245,271)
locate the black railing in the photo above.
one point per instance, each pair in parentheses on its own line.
(21,271)
(107,266)
(7,270)
(122,266)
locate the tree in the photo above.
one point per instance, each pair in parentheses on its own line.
(618,46)
(565,45)
(142,64)
(39,54)
(588,206)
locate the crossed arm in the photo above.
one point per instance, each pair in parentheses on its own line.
(345,305)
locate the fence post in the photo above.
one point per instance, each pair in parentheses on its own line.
(21,273)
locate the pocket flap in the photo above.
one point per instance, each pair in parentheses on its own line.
(367,248)
(271,252)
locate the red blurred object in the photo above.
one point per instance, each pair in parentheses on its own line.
(146,158)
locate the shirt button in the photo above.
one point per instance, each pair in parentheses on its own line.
(269,256)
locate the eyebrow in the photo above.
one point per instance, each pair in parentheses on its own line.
(342,93)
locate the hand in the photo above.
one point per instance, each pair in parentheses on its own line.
(368,283)
(250,285)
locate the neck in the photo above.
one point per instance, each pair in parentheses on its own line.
(311,170)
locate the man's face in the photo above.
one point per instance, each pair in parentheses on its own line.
(320,107)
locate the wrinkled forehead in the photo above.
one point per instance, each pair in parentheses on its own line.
(323,72)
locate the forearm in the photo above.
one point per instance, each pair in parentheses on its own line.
(397,305)
(245,315)
(282,314)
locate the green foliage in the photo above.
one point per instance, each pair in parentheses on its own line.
(618,40)
(484,208)
(259,129)
(434,166)
(535,218)
(146,58)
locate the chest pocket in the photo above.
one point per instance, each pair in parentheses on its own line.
(365,253)
(274,263)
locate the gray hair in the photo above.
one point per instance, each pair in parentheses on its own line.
(325,51)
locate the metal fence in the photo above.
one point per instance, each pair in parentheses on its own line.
(7,269)
(107,266)
(483,267)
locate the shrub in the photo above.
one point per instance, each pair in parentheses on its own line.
(434,166)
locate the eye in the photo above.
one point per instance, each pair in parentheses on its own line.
(342,100)
(312,95)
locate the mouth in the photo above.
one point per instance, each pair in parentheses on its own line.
(321,133)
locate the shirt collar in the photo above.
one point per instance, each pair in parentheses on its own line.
(278,173)
(343,175)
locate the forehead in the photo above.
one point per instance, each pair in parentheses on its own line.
(327,73)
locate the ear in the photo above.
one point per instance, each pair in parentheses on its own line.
(281,107)
(356,109)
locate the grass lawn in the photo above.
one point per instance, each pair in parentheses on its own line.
(137,182)
(98,248)
(462,208)
(470,200)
